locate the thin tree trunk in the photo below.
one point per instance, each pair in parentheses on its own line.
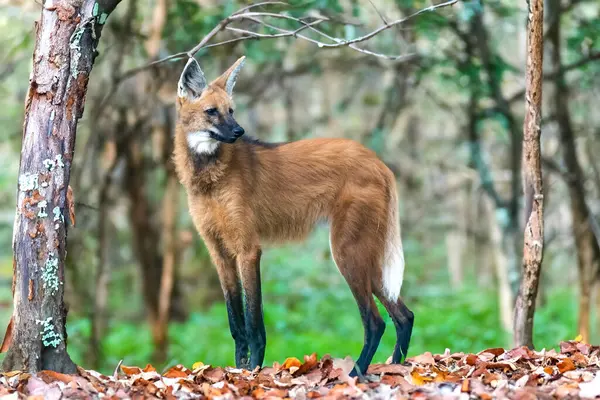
(532,180)
(65,49)
(169,202)
(144,235)
(505,298)
(454,248)
(588,252)
(170,206)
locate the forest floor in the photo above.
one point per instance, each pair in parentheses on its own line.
(573,372)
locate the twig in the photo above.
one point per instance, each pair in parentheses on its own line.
(378,13)
(116,373)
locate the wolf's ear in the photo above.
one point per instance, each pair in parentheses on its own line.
(192,81)
(229,77)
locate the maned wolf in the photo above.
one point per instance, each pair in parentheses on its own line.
(243,192)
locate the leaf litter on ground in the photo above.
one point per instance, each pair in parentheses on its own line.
(519,373)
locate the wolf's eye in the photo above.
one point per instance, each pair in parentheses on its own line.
(211,111)
(231,111)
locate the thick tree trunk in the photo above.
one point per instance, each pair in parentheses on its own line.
(66,40)
(588,252)
(532,179)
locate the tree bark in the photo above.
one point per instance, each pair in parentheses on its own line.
(532,179)
(588,252)
(66,39)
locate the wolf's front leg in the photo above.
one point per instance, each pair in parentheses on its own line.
(232,290)
(249,266)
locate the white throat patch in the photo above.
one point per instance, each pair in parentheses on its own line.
(201,142)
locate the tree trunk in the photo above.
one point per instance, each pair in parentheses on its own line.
(588,252)
(505,298)
(144,235)
(170,206)
(532,179)
(454,249)
(65,49)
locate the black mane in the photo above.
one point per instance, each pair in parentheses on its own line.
(253,141)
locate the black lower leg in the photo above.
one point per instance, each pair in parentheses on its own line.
(255,325)
(235,312)
(374,327)
(255,328)
(403,322)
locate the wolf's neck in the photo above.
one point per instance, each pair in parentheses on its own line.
(204,161)
(200,143)
(199,171)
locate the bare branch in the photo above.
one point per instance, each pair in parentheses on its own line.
(337,42)
(343,43)
(520,95)
(245,13)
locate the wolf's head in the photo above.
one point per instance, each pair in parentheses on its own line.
(205,111)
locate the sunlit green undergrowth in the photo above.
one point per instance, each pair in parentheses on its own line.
(465,321)
(309,308)
(329,323)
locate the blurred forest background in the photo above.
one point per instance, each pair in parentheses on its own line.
(447,119)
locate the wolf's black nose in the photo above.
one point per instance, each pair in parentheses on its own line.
(238,131)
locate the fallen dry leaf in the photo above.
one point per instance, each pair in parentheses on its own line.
(309,363)
(291,362)
(149,368)
(495,351)
(131,370)
(425,358)
(565,365)
(197,365)
(176,372)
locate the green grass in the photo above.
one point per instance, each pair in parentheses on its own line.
(464,321)
(309,308)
